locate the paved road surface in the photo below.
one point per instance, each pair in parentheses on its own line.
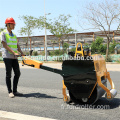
(43,98)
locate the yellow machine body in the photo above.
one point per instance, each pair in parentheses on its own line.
(80,51)
(101,71)
(99,66)
(30,62)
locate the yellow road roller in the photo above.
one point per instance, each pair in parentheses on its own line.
(84,76)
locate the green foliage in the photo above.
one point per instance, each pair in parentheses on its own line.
(65,46)
(56,52)
(86,45)
(102,49)
(99,41)
(30,24)
(112,47)
(1,29)
(35,53)
(98,47)
(40,22)
(73,50)
(93,47)
(60,26)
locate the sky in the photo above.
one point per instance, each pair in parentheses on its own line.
(16,8)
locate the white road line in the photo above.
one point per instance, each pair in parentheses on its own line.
(17,116)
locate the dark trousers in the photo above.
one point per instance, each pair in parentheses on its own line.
(9,64)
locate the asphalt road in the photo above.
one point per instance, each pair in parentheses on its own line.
(43,97)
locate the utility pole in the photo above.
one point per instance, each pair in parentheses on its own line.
(45,33)
(75,40)
(75,33)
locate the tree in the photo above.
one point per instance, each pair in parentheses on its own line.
(102,16)
(65,46)
(60,27)
(40,22)
(1,29)
(31,23)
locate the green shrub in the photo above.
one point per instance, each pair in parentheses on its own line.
(59,52)
(35,53)
(102,49)
(97,46)
(65,46)
(86,45)
(112,47)
(56,53)
(93,48)
(73,50)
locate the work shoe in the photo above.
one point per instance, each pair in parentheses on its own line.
(11,95)
(18,94)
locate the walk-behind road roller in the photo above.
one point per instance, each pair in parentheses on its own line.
(84,76)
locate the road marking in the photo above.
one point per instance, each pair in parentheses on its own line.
(18,116)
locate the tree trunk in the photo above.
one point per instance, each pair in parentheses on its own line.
(27,44)
(107,50)
(30,43)
(26,48)
(59,43)
(40,49)
(62,44)
(53,47)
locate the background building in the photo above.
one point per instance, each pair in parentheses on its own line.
(37,43)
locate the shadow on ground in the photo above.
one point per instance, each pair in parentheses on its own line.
(38,95)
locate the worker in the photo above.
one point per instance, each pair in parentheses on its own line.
(10,49)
